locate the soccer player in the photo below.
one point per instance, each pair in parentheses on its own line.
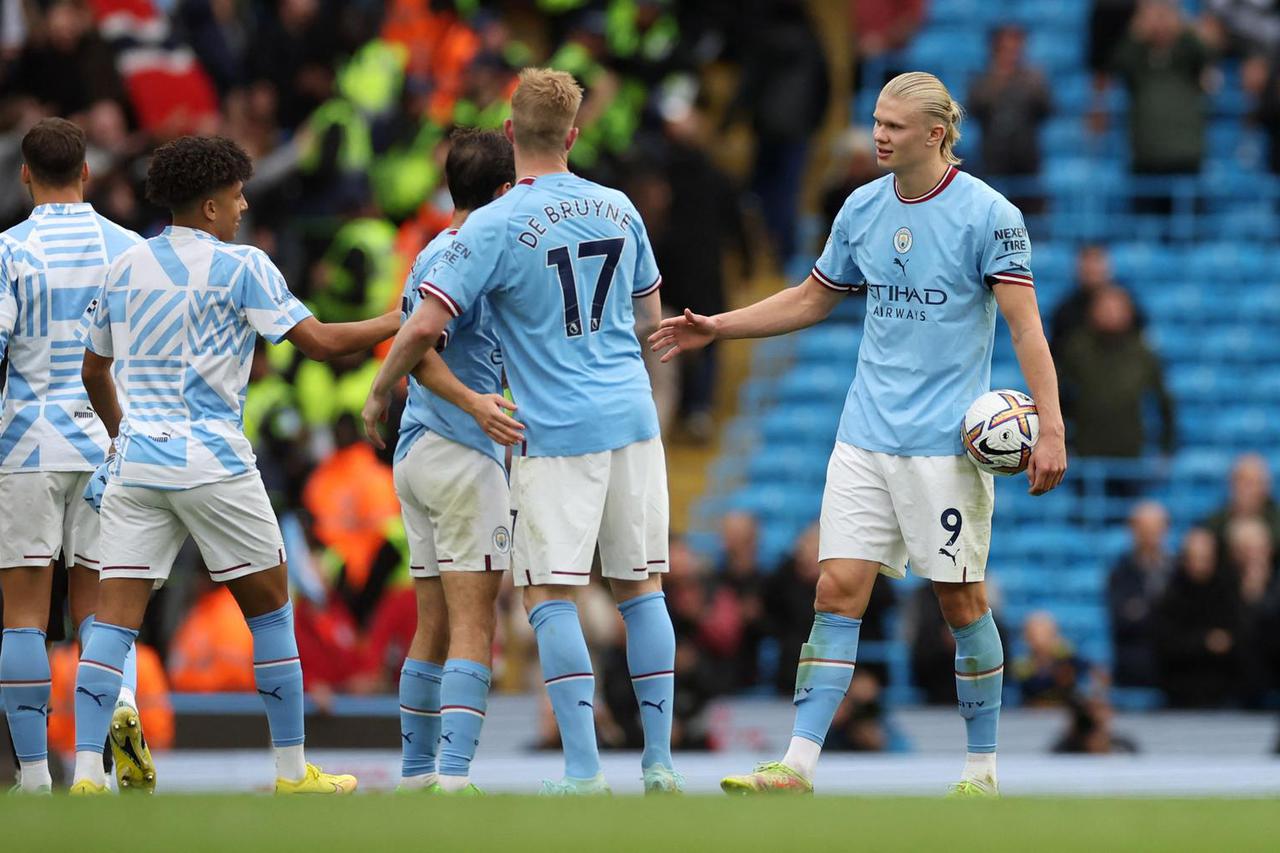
(51,440)
(937,252)
(172,332)
(561,261)
(451,479)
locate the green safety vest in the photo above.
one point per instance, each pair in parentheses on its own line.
(374,76)
(625,39)
(405,176)
(267,398)
(339,302)
(322,397)
(356,150)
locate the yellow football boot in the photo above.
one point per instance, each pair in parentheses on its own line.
(317,782)
(134,768)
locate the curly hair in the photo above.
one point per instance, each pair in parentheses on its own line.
(192,168)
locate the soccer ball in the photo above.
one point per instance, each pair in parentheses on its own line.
(1000,429)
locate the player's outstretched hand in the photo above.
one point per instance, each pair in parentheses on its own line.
(687,332)
(490,411)
(1048,464)
(375,410)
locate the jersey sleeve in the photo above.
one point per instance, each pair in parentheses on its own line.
(646,278)
(413,296)
(266,301)
(468,267)
(1006,251)
(836,268)
(94,330)
(8,300)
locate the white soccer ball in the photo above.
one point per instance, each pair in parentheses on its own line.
(1000,429)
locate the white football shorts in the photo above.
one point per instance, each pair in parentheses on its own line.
(563,506)
(931,511)
(44,514)
(231,521)
(456,508)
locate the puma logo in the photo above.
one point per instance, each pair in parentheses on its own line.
(952,557)
(583,703)
(407,736)
(96,697)
(43,710)
(273,693)
(447,737)
(901,263)
(657,705)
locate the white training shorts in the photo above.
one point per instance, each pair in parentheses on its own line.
(44,514)
(934,511)
(563,506)
(231,521)
(456,508)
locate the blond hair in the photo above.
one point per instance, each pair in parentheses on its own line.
(543,109)
(931,97)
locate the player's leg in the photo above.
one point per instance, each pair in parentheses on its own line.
(633,556)
(24,671)
(236,530)
(140,537)
(557,503)
(945,511)
(464,692)
(979,679)
(420,678)
(30,536)
(859,539)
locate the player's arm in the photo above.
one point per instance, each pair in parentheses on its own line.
(648,311)
(95,372)
(1049,459)
(416,338)
(785,311)
(488,410)
(327,341)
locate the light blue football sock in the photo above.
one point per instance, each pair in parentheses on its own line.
(130,661)
(25,685)
(566,670)
(651,658)
(98,680)
(277,672)
(419,716)
(979,681)
(824,673)
(464,697)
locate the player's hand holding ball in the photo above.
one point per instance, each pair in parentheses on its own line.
(689,331)
(1001,433)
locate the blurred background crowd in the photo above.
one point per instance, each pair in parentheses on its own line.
(1139,137)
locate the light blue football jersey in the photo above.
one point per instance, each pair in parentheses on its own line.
(51,267)
(928,265)
(559,259)
(469,348)
(179,313)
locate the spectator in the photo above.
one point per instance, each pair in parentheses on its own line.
(1250,497)
(65,67)
(1050,672)
(784,93)
(1093,275)
(152,694)
(737,599)
(1251,553)
(1198,629)
(1134,589)
(212,650)
(852,164)
(881,27)
(1108,22)
(859,724)
(1090,729)
(789,604)
(1242,27)
(1162,62)
(1107,372)
(1010,101)
(933,648)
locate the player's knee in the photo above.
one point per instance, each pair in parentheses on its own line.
(961,603)
(840,593)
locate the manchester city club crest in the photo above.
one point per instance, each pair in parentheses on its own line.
(501,540)
(902,240)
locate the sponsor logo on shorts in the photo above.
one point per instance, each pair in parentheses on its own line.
(502,540)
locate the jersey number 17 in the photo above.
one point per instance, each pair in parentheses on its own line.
(559,257)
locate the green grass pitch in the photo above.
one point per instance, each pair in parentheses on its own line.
(376,823)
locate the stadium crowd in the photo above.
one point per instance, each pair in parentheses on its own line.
(346,108)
